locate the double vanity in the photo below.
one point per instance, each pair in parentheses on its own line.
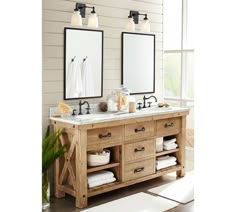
(131,138)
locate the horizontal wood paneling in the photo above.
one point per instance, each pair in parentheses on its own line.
(112,16)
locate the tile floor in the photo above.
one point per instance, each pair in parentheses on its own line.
(67,204)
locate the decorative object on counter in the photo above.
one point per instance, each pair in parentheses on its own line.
(103,106)
(100,178)
(112,102)
(51,150)
(159,144)
(64,108)
(133,19)
(98,158)
(132,105)
(163,105)
(122,99)
(79,12)
(170,144)
(165,161)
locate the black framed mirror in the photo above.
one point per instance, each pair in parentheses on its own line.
(138,62)
(83,63)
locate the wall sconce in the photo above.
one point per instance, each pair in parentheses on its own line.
(79,12)
(133,19)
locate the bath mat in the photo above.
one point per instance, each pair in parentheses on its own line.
(139,202)
(181,190)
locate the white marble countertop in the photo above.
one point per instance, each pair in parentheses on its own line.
(108,116)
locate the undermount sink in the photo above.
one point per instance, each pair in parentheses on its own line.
(151,109)
(95,116)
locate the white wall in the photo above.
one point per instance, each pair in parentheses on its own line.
(112,16)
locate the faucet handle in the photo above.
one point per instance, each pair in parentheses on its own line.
(149,104)
(139,105)
(88,108)
(73,113)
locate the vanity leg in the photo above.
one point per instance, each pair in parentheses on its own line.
(181,140)
(81,169)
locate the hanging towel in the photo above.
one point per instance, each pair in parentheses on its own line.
(170,141)
(101,182)
(87,78)
(73,80)
(99,175)
(158,167)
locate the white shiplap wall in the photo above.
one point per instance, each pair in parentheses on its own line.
(112,16)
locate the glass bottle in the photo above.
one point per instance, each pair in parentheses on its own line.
(122,99)
(112,102)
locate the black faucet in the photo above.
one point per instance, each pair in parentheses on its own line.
(146,98)
(80,107)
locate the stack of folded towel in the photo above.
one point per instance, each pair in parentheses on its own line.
(100,177)
(165,161)
(170,144)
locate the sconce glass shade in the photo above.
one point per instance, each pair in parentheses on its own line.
(130,26)
(145,26)
(76,19)
(93,20)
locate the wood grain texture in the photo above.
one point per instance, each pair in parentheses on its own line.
(167,127)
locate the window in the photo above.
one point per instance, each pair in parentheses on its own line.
(178,61)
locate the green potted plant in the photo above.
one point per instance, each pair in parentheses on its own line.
(51,150)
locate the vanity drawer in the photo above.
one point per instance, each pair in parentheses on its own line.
(139,150)
(139,130)
(103,135)
(139,169)
(168,126)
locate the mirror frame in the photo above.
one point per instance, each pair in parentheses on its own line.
(122,59)
(102,56)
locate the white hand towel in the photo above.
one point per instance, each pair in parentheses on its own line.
(166,161)
(170,147)
(100,175)
(101,182)
(170,141)
(163,157)
(158,167)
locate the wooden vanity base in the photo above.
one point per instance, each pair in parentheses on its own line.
(133,155)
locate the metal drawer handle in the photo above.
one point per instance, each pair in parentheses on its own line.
(139,149)
(139,130)
(139,170)
(108,135)
(169,125)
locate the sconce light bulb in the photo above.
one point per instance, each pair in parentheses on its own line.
(76,19)
(145,26)
(130,26)
(93,20)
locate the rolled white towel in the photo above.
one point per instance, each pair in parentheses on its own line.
(170,147)
(99,175)
(101,182)
(170,141)
(158,167)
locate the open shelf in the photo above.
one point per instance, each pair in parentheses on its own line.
(167,152)
(98,168)
(168,169)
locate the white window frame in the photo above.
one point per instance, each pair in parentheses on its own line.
(182,50)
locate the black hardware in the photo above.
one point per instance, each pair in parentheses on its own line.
(146,98)
(88,108)
(149,104)
(80,107)
(73,113)
(135,15)
(72,60)
(108,135)
(139,105)
(169,125)
(82,8)
(139,149)
(139,130)
(139,170)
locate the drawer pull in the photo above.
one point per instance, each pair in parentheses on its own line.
(139,170)
(139,149)
(139,130)
(108,135)
(169,125)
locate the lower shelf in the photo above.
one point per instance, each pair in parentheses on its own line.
(100,189)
